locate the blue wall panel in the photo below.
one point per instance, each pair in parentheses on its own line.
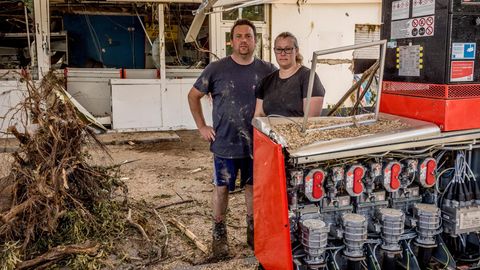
(114,41)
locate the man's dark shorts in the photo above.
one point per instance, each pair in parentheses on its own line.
(226,171)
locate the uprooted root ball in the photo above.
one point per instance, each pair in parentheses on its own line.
(60,209)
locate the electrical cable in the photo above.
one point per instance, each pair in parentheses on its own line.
(93,33)
(408,261)
(411,252)
(378,155)
(448,257)
(420,151)
(132,43)
(335,248)
(375,255)
(445,189)
(143,27)
(335,259)
(413,179)
(362,262)
(462,241)
(174,41)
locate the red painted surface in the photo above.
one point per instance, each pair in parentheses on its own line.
(317,185)
(357,180)
(270,207)
(394,182)
(449,115)
(431,166)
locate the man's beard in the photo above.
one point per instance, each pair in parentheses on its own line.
(244,51)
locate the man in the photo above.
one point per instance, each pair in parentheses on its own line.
(231,82)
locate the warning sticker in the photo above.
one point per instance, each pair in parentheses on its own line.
(461,71)
(423,8)
(413,28)
(409,60)
(463,50)
(400,9)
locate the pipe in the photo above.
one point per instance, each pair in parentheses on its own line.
(424,256)
(389,262)
(354,265)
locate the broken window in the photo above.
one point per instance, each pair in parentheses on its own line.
(365,57)
(252,13)
(125,35)
(256,14)
(178,18)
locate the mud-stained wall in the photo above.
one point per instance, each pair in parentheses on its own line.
(324,26)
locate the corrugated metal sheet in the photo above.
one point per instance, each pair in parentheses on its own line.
(367,33)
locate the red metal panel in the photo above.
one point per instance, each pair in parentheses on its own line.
(428,109)
(454,114)
(462,114)
(441,91)
(270,206)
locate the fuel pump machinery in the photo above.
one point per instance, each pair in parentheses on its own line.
(399,192)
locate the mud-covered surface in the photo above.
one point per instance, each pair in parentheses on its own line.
(178,173)
(295,138)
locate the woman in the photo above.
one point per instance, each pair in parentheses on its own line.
(284,92)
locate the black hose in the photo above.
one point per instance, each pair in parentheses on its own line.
(354,265)
(475,190)
(452,192)
(469,193)
(459,194)
(464,193)
(424,256)
(389,262)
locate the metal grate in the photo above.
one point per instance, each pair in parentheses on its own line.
(441,91)
(463,91)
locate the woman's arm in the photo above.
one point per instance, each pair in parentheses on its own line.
(316,104)
(259,108)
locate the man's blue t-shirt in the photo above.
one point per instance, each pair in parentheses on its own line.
(232,87)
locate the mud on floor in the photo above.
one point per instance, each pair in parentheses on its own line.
(171,172)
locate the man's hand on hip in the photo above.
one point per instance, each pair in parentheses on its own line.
(207,133)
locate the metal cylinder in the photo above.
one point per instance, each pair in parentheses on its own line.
(428,223)
(354,235)
(314,240)
(392,221)
(293,224)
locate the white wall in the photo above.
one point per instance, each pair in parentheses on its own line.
(11,94)
(142,104)
(324,26)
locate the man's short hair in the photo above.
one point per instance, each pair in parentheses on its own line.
(244,22)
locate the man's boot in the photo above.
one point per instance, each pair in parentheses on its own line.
(250,241)
(220,241)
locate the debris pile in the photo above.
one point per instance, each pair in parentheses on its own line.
(57,208)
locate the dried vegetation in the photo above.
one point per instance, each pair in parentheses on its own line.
(295,138)
(57,209)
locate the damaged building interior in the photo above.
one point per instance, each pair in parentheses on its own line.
(93,34)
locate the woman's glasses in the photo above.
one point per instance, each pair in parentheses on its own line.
(283,50)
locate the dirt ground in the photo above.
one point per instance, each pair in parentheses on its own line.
(176,171)
(168,172)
